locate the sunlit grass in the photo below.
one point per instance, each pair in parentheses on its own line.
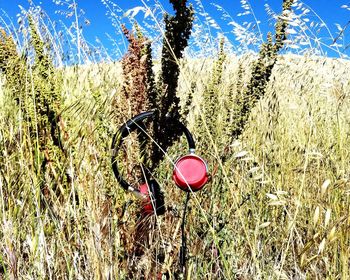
(277,206)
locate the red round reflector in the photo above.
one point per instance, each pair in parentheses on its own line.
(190,171)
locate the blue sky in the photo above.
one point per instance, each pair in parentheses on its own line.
(95,11)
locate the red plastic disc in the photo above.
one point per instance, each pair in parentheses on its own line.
(190,171)
(147,206)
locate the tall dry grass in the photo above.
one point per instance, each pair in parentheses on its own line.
(277,206)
